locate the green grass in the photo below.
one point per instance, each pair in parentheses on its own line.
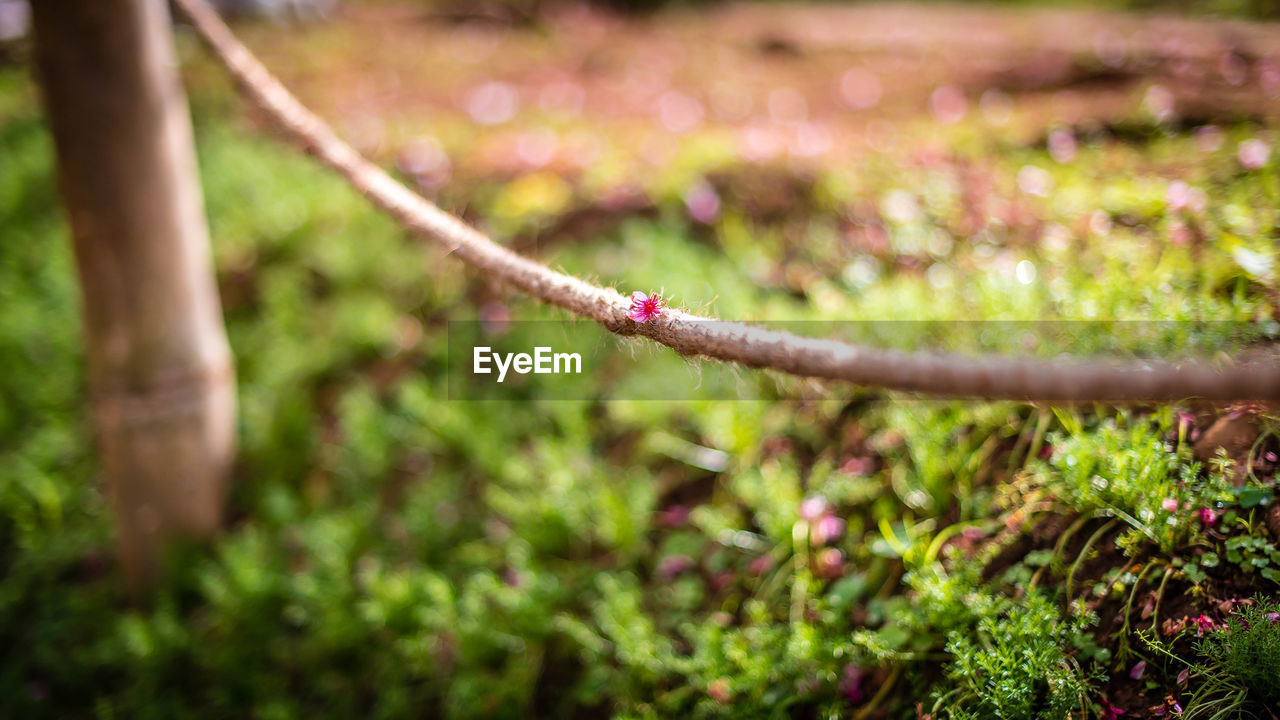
(394,554)
(1244,654)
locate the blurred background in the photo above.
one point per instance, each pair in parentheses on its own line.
(802,550)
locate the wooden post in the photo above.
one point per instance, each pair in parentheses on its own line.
(159,368)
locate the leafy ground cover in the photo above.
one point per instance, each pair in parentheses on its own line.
(812,552)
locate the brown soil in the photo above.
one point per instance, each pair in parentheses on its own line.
(772,76)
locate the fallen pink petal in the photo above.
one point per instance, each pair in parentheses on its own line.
(1204,624)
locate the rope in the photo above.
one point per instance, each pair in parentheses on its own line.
(692,335)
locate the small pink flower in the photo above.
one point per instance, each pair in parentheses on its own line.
(703,203)
(1208,138)
(673,565)
(813,508)
(1170,705)
(1184,676)
(722,580)
(760,565)
(775,446)
(674,516)
(1138,670)
(1062,145)
(829,528)
(1273,618)
(495,318)
(830,563)
(1204,624)
(858,466)
(645,307)
(851,683)
(1169,504)
(1187,426)
(1208,517)
(1178,196)
(1109,711)
(719,690)
(1253,154)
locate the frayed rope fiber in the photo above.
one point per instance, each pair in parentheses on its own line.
(1058,380)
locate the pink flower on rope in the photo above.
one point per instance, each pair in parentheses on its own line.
(645,307)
